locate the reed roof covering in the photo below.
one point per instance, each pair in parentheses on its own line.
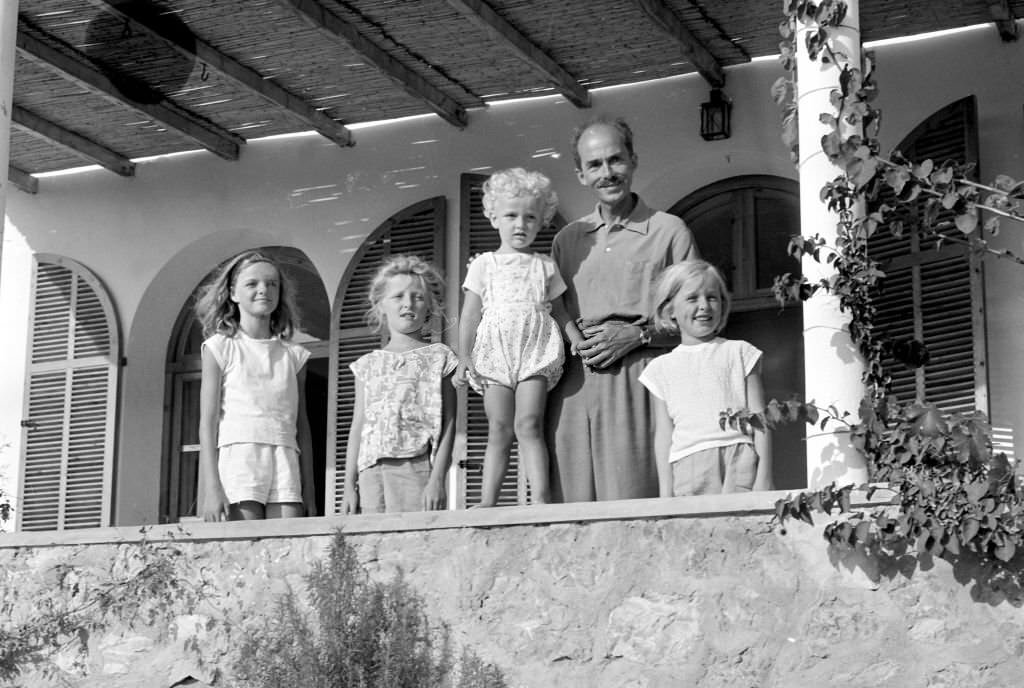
(111,80)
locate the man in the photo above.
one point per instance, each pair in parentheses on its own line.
(601,415)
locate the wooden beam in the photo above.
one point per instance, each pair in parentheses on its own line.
(502,32)
(215,139)
(666,20)
(233,70)
(78,144)
(22,180)
(413,84)
(1006,22)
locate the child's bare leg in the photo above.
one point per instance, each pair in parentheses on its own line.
(285,510)
(499,404)
(531,400)
(247,511)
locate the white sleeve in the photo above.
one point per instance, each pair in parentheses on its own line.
(475,274)
(651,379)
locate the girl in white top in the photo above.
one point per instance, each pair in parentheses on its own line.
(252,419)
(510,347)
(403,421)
(692,384)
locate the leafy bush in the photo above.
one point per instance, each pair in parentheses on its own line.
(356,633)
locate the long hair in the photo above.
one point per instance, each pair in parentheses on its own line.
(219,314)
(515,182)
(672,279)
(413,266)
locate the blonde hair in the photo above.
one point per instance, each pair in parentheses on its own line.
(216,311)
(414,266)
(515,182)
(672,279)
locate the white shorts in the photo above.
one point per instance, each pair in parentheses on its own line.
(264,473)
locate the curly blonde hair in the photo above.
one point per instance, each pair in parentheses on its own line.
(217,313)
(672,279)
(414,266)
(515,182)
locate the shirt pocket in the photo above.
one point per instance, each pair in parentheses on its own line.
(636,286)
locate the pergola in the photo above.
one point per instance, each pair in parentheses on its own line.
(108,81)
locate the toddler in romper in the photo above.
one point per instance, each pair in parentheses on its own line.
(510,347)
(403,422)
(693,383)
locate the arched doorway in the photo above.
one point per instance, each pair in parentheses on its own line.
(742,226)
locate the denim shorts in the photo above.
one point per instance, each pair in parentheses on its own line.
(264,473)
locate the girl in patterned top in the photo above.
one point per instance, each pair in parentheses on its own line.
(510,346)
(403,422)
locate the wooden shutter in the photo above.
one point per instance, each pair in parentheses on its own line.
(476,236)
(67,470)
(935,296)
(417,230)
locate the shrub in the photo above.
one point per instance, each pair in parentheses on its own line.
(356,633)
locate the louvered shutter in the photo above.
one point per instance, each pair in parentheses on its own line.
(417,230)
(933,295)
(477,236)
(67,469)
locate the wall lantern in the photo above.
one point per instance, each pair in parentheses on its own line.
(715,116)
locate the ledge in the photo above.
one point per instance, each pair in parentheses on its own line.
(702,506)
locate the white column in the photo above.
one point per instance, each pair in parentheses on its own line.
(832,364)
(8,36)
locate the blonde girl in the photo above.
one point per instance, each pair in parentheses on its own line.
(400,442)
(255,450)
(510,347)
(693,383)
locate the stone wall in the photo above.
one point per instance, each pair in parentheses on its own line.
(584,598)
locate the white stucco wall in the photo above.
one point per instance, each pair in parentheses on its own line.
(151,238)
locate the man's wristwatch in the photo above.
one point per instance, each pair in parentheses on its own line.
(645,335)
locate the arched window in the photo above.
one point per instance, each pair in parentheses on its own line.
(417,230)
(935,293)
(180,487)
(67,470)
(742,226)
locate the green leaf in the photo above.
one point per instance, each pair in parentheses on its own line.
(923,170)
(967,222)
(1006,551)
(969,529)
(863,532)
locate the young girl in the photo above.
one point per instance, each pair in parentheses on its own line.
(403,422)
(252,419)
(510,347)
(694,382)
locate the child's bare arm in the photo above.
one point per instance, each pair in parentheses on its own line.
(213,503)
(566,324)
(305,439)
(355,432)
(662,446)
(469,321)
(434,497)
(762,438)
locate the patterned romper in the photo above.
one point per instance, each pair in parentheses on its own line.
(517,337)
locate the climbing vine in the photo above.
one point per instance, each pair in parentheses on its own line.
(951,491)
